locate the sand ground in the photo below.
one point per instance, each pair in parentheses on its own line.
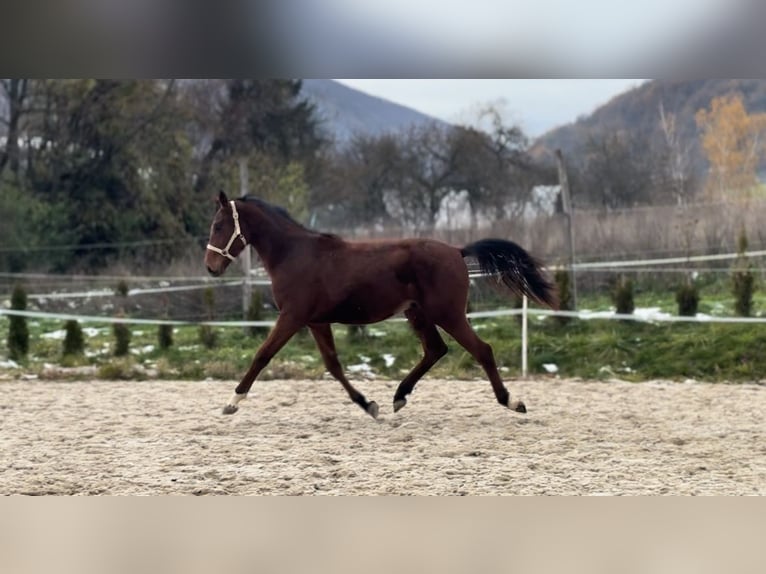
(306,438)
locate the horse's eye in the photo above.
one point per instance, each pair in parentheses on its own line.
(217,227)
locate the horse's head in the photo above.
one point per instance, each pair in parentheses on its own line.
(226,239)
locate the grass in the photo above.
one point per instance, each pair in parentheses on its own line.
(593,349)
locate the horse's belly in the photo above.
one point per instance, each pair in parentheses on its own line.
(365,309)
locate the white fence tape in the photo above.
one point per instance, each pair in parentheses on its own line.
(665,261)
(649,316)
(129,320)
(140,291)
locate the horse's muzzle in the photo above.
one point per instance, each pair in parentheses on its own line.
(213,272)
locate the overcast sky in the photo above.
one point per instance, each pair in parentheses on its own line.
(536,105)
(548,38)
(598,34)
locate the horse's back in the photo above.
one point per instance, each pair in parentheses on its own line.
(373,280)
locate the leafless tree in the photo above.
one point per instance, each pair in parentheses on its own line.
(678,158)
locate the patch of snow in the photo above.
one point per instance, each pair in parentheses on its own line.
(550,367)
(361,369)
(9,364)
(55,335)
(643,313)
(143,350)
(649,313)
(389,359)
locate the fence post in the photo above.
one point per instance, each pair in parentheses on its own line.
(247,288)
(566,202)
(524,315)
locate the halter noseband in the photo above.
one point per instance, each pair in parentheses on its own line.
(237,234)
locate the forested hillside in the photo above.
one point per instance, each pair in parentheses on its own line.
(346,113)
(636,130)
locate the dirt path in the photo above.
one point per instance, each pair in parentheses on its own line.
(305,437)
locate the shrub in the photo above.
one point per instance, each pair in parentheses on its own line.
(561,277)
(121,288)
(743,281)
(622,296)
(18,332)
(207,336)
(122,339)
(165,336)
(744,287)
(687,297)
(74,342)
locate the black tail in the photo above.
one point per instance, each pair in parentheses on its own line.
(520,272)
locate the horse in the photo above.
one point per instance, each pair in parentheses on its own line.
(318,279)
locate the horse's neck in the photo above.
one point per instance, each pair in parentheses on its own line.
(272,237)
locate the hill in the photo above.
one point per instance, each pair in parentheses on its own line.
(637,112)
(346,111)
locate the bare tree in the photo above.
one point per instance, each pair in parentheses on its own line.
(425,175)
(678,158)
(617,170)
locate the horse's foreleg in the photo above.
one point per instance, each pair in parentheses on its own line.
(434,349)
(462,332)
(322,334)
(279,335)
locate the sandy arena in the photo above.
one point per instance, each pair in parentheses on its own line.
(306,438)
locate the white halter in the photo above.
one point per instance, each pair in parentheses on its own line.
(237,234)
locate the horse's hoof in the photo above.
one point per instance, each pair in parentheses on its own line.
(372,409)
(399,404)
(518,407)
(230,409)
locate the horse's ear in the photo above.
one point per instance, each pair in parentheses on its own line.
(222,199)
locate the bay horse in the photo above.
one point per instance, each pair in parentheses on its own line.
(318,279)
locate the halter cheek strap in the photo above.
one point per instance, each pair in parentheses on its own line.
(237,234)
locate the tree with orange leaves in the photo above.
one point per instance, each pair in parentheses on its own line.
(734,144)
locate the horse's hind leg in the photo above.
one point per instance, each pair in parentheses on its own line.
(462,332)
(326,344)
(434,349)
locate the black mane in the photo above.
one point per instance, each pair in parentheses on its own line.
(279,211)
